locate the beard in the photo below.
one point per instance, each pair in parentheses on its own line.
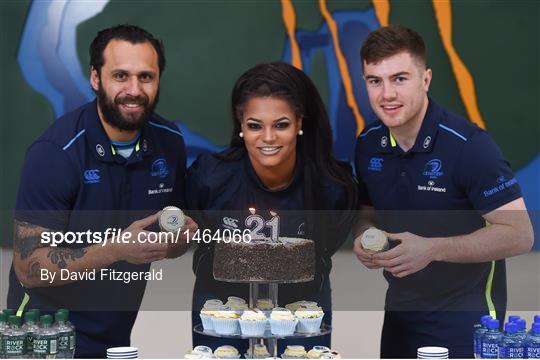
(112,114)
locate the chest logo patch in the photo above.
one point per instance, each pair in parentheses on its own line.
(160,168)
(375,164)
(91,176)
(433,169)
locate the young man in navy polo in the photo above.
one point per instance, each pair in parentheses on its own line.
(434,179)
(84,173)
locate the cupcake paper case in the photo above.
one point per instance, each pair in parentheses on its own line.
(283,327)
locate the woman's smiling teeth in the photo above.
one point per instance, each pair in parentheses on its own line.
(269,150)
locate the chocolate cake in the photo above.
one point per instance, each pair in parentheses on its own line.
(288,260)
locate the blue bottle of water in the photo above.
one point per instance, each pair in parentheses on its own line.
(511,345)
(491,340)
(480,330)
(532,342)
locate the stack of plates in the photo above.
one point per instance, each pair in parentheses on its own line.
(432,352)
(125,352)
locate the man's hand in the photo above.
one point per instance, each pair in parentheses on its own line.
(364,257)
(138,252)
(413,254)
(182,245)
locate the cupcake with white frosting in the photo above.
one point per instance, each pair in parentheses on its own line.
(207,312)
(259,351)
(227,352)
(309,320)
(282,322)
(294,352)
(226,322)
(253,322)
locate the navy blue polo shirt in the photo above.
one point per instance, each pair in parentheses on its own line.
(452,175)
(73,180)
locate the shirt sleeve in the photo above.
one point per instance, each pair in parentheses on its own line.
(487,177)
(363,194)
(47,188)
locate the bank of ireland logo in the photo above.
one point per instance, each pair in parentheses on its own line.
(375,164)
(160,168)
(433,168)
(91,176)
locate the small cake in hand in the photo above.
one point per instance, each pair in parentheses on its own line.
(374,240)
(253,323)
(309,320)
(282,322)
(226,322)
(294,352)
(171,219)
(259,351)
(227,352)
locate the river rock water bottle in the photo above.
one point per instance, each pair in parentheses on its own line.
(30,327)
(532,342)
(511,345)
(46,339)
(14,339)
(3,326)
(490,340)
(478,333)
(66,336)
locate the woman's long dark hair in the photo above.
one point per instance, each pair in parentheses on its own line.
(284,81)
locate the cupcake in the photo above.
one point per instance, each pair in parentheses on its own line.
(317,351)
(282,322)
(190,355)
(227,352)
(208,310)
(205,351)
(300,304)
(236,304)
(294,352)
(259,351)
(309,320)
(374,240)
(226,322)
(253,323)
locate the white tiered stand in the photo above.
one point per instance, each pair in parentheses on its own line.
(263,290)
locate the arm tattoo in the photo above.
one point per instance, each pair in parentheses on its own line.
(60,256)
(27,238)
(34,270)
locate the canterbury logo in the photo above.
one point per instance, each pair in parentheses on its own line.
(230,223)
(91,176)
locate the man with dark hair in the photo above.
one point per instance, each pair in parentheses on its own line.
(414,163)
(83,174)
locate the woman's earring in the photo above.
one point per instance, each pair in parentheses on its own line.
(241,134)
(301,132)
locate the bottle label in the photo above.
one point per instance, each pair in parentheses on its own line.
(477,345)
(63,341)
(46,346)
(510,352)
(490,350)
(29,342)
(14,345)
(532,351)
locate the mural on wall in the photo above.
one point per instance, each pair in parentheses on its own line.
(50,63)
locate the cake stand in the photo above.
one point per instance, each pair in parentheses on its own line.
(264,290)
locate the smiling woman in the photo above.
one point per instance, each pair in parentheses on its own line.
(280,161)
